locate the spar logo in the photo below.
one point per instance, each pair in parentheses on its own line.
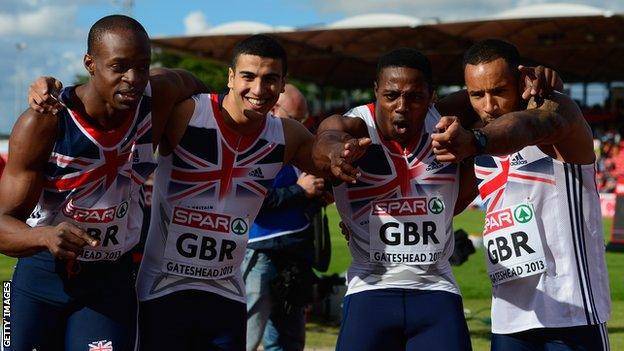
(414,206)
(95,215)
(498,220)
(239,226)
(201,219)
(523,213)
(436,205)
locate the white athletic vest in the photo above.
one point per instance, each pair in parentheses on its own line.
(563,201)
(93,179)
(400,213)
(206,195)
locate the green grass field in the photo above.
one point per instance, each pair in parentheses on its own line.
(471,277)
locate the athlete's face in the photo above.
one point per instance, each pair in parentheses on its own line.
(119,68)
(493,89)
(403,98)
(255,84)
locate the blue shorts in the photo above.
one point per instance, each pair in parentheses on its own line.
(403,319)
(191,320)
(580,338)
(53,309)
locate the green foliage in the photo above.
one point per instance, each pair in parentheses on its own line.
(80,79)
(211,72)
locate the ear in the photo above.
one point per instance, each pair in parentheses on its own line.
(283,85)
(89,64)
(230,78)
(375,86)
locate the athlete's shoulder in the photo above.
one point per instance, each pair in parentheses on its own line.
(361,111)
(33,137)
(33,125)
(290,126)
(458,104)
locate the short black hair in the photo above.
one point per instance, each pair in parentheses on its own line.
(489,50)
(263,46)
(112,23)
(406,57)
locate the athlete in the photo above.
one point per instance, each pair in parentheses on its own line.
(280,243)
(69,193)
(543,230)
(401,291)
(215,167)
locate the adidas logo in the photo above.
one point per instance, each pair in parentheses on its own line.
(434,165)
(257,173)
(518,160)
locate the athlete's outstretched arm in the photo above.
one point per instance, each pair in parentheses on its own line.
(557,126)
(181,114)
(170,87)
(299,143)
(30,145)
(340,141)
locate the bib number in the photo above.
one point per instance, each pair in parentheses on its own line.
(204,245)
(513,244)
(107,225)
(407,231)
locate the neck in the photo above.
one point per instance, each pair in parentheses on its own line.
(236,120)
(97,111)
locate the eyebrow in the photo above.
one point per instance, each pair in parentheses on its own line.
(391,90)
(498,87)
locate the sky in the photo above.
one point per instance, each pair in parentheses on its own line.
(48,37)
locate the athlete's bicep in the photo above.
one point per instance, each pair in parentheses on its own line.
(572,140)
(299,142)
(356,127)
(181,114)
(181,84)
(163,101)
(30,145)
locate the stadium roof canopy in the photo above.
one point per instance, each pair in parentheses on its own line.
(584,44)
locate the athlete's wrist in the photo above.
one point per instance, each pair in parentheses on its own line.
(41,237)
(479,141)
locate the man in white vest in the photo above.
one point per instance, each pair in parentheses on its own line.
(543,235)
